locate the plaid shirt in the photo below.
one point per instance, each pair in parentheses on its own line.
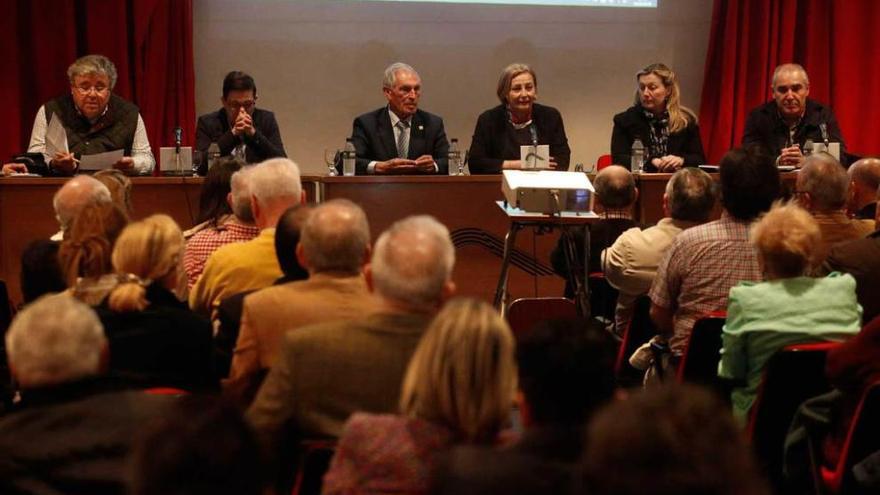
(698,271)
(203,243)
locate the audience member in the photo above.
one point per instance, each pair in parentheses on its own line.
(334,247)
(788,308)
(69,434)
(119,186)
(40,270)
(458,388)
(84,254)
(273,186)
(630,264)
(73,196)
(704,262)
(566,371)
(225,216)
(154,339)
(670,440)
(864,179)
(325,372)
(822,190)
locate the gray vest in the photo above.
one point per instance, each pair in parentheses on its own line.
(112,131)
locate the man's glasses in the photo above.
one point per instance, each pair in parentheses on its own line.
(247,105)
(85,90)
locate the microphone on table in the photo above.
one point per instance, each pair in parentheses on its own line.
(178,136)
(823,128)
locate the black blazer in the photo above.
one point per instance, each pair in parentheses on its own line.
(633,124)
(495,140)
(264,144)
(766,128)
(373,139)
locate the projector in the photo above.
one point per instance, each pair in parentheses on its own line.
(546,191)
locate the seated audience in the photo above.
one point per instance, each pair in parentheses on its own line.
(630,264)
(69,433)
(119,186)
(864,179)
(274,186)
(566,372)
(670,440)
(73,196)
(40,270)
(154,339)
(458,388)
(789,307)
(822,190)
(704,262)
(334,247)
(225,216)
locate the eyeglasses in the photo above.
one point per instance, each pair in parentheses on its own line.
(247,105)
(85,90)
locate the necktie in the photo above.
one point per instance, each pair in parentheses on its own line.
(403,139)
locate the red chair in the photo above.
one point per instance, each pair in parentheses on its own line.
(524,313)
(699,363)
(862,439)
(314,461)
(602,162)
(165,391)
(639,331)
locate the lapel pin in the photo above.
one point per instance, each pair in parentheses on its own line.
(421,128)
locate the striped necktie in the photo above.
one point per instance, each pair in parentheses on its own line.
(402,139)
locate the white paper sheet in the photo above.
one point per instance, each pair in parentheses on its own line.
(100,161)
(535,156)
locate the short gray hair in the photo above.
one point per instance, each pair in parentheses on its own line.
(691,195)
(55,339)
(825,179)
(789,68)
(241,195)
(93,64)
(273,179)
(413,261)
(389,77)
(336,237)
(76,194)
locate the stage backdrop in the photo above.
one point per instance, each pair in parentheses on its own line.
(149,41)
(318,64)
(830,38)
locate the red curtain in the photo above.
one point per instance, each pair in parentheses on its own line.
(830,38)
(149,41)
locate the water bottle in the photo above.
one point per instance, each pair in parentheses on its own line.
(213,155)
(454,156)
(809,147)
(348,158)
(637,160)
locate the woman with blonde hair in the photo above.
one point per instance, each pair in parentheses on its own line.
(458,388)
(788,307)
(668,131)
(154,339)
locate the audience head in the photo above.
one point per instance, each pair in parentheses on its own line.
(790,86)
(199,449)
(335,238)
(287,238)
(240,196)
(56,339)
(412,263)
(670,440)
(822,184)
(274,186)
(88,243)
(119,186)
(215,199)
(75,194)
(148,251)
(788,241)
(690,195)
(92,79)
(864,180)
(239,92)
(657,91)
(462,374)
(749,182)
(40,270)
(566,371)
(402,87)
(518,88)
(615,188)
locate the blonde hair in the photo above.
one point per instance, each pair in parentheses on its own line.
(679,116)
(88,242)
(788,240)
(506,79)
(145,252)
(462,374)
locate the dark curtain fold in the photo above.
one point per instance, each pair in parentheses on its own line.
(149,41)
(830,38)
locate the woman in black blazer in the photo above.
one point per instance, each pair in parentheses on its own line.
(668,131)
(517,121)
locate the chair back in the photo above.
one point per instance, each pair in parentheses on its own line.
(699,363)
(524,313)
(862,440)
(639,331)
(314,461)
(603,161)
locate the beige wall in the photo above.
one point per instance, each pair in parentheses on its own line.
(318,64)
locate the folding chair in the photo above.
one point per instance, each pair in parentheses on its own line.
(639,331)
(699,363)
(862,440)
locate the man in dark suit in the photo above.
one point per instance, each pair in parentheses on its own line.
(239,128)
(400,138)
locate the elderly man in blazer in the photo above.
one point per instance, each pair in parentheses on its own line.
(399,138)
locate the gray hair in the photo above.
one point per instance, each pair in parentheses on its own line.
(825,179)
(691,195)
(412,262)
(76,194)
(336,237)
(241,195)
(274,179)
(789,68)
(390,75)
(55,339)
(93,64)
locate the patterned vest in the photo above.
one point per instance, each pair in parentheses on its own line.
(112,131)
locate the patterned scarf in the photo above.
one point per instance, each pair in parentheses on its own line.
(659,137)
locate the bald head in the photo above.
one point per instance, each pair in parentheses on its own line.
(864,180)
(615,187)
(336,238)
(77,193)
(823,182)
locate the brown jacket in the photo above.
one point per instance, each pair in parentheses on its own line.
(837,227)
(861,259)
